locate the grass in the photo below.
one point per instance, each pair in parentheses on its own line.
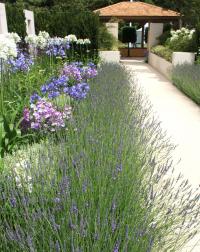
(101,186)
(187,79)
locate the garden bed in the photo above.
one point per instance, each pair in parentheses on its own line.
(101,182)
(84,166)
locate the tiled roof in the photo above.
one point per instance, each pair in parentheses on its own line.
(135,9)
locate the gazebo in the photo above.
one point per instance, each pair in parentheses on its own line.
(140,13)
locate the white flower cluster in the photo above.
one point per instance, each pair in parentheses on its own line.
(71,38)
(8,47)
(83,42)
(182,33)
(39,41)
(14,36)
(43,39)
(31,39)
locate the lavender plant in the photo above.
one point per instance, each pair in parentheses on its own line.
(187,79)
(108,186)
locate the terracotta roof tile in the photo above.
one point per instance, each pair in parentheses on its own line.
(135,9)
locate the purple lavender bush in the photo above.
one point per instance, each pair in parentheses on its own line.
(108,186)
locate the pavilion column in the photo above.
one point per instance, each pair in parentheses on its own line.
(155,30)
(113,28)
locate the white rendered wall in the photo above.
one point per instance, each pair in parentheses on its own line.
(161,65)
(155,30)
(3,19)
(30,24)
(110,56)
(113,29)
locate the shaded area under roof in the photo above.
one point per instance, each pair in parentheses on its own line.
(137,11)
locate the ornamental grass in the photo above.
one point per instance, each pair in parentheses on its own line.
(105,184)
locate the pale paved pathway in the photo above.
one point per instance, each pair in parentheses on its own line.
(180,117)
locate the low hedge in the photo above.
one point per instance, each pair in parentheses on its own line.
(163,52)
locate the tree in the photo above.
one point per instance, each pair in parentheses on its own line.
(129,35)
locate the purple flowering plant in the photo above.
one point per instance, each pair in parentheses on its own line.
(73,81)
(22,63)
(44,116)
(57,47)
(52,110)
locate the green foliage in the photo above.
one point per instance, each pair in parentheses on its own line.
(182,44)
(106,39)
(166,34)
(16,19)
(59,22)
(187,79)
(10,136)
(129,34)
(163,52)
(164,37)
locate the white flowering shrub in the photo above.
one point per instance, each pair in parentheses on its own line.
(182,40)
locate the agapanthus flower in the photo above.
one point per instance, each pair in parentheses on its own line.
(79,91)
(8,47)
(73,72)
(35,97)
(32,40)
(87,42)
(80,42)
(57,47)
(55,86)
(71,38)
(21,63)
(14,36)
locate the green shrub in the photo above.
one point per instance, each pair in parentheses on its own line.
(16,19)
(187,79)
(106,40)
(59,22)
(164,37)
(183,40)
(163,52)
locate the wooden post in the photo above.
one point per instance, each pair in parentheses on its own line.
(142,36)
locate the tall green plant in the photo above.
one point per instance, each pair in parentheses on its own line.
(16,18)
(129,35)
